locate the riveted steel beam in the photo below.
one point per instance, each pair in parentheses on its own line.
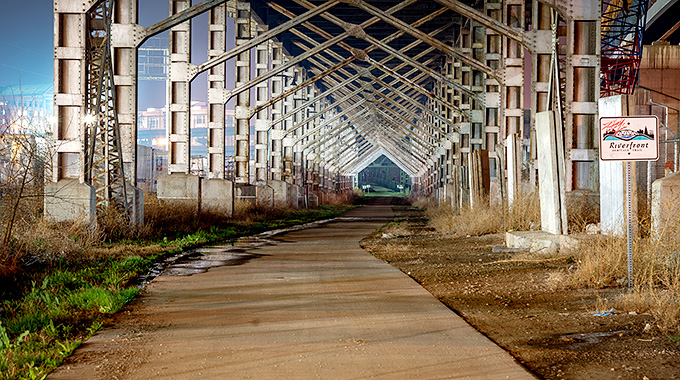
(217,43)
(262,92)
(315,50)
(241,113)
(382,63)
(178,93)
(179,17)
(489,22)
(263,37)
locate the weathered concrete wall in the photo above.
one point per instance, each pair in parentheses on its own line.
(181,188)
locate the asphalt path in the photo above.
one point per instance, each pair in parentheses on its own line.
(309,304)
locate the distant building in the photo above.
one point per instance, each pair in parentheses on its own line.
(152,131)
(26,109)
(153,59)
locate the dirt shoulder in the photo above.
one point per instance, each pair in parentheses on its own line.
(525,307)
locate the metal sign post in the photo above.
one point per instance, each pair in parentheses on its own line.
(630,138)
(629,223)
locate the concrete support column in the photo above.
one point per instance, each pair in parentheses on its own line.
(70,69)
(217,41)
(276,133)
(262,58)
(612,177)
(540,73)
(288,142)
(581,115)
(512,118)
(125,79)
(69,198)
(178,93)
(242,112)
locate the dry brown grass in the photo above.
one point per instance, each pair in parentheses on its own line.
(656,275)
(485,218)
(582,210)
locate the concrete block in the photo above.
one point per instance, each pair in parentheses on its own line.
(265,196)
(312,200)
(294,196)
(217,195)
(70,200)
(179,188)
(665,205)
(245,193)
(534,241)
(548,181)
(281,193)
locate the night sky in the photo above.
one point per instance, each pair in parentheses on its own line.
(26,43)
(26,40)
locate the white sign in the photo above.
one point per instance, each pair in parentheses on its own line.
(630,138)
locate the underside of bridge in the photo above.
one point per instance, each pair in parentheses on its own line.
(440,87)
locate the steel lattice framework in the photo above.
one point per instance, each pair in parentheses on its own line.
(103,160)
(623,23)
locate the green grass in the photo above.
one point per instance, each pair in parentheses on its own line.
(67,302)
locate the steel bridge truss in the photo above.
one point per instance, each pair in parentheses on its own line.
(330,86)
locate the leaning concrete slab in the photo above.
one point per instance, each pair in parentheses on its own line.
(180,188)
(294,197)
(136,198)
(312,200)
(217,195)
(70,200)
(548,181)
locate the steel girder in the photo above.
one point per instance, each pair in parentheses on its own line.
(357,31)
(382,63)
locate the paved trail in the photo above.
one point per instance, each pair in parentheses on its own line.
(313,306)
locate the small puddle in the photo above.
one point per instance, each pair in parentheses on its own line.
(577,340)
(201,260)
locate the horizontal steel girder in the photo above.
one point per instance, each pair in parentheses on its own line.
(195,70)
(423,37)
